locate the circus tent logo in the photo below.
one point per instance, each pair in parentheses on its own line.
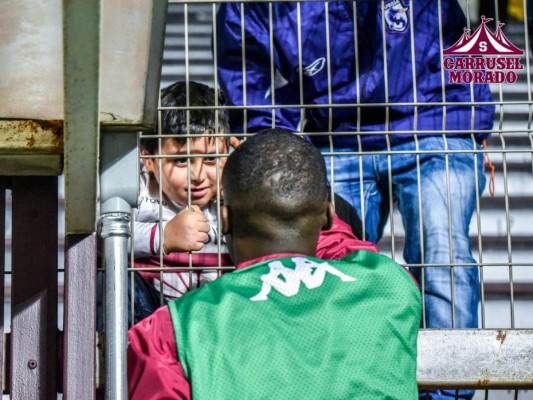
(483,57)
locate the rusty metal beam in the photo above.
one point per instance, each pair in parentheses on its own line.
(488,359)
(79,360)
(31,147)
(31,137)
(34,288)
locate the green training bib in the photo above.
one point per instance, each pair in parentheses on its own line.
(302,328)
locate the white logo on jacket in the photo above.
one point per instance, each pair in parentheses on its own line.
(279,82)
(311,273)
(315,67)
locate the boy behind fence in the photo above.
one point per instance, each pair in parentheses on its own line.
(188,176)
(285,324)
(182,171)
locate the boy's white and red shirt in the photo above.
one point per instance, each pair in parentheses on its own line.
(177,275)
(146,243)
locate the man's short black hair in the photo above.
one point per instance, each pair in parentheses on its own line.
(278,173)
(174,121)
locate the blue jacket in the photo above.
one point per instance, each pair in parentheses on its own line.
(354,76)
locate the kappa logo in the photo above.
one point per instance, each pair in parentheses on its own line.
(315,67)
(287,280)
(396,16)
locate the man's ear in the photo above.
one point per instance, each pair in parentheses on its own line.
(148,162)
(330,213)
(224,215)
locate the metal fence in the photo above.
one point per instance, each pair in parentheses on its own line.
(499,232)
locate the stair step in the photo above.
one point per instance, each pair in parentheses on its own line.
(175,42)
(178,56)
(495,243)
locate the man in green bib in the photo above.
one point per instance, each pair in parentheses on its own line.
(284,324)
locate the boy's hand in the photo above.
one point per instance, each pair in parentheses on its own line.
(187,231)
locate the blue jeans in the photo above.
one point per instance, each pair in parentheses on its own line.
(429,209)
(144,296)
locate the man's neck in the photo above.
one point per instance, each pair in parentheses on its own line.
(251,248)
(264,258)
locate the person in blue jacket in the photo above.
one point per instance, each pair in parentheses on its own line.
(364,80)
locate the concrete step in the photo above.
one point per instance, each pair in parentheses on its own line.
(516,135)
(194,54)
(192,29)
(175,42)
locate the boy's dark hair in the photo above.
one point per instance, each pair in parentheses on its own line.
(278,173)
(174,122)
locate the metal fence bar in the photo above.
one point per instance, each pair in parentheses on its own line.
(34,288)
(488,358)
(218,128)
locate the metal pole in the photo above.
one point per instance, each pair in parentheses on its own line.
(116,215)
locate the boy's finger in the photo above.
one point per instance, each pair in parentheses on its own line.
(234,142)
(195,208)
(203,227)
(196,246)
(200,217)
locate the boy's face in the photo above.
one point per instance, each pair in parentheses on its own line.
(171,173)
